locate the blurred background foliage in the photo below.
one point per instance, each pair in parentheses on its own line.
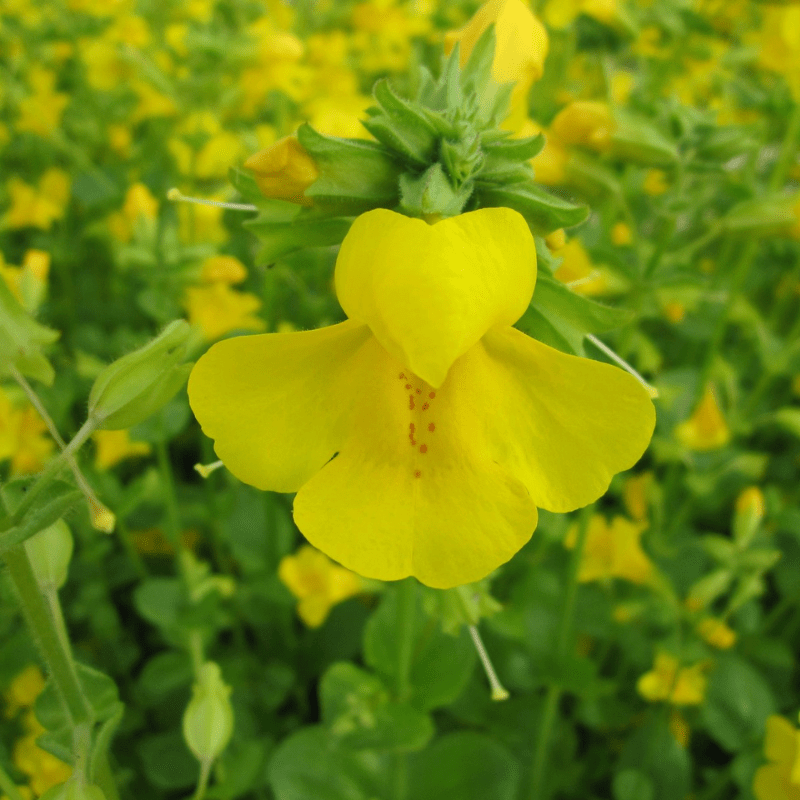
(654,667)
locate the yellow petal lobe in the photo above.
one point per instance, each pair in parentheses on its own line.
(430,292)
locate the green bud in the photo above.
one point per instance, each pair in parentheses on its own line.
(208,719)
(432,194)
(22,339)
(135,386)
(50,551)
(764,216)
(74,789)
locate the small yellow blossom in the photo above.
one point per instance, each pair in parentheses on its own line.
(612,551)
(780,779)
(521,46)
(223,269)
(556,240)
(587,123)
(23,438)
(217,309)
(621,234)
(38,207)
(317,582)
(635,495)
(751,501)
(201,223)
(679,686)
(679,728)
(577,269)
(706,429)
(41,111)
(284,171)
(24,689)
(28,283)
(655,182)
(717,633)
(139,206)
(674,311)
(111,447)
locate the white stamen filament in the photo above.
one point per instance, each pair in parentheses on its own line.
(651,390)
(176,196)
(205,470)
(499,692)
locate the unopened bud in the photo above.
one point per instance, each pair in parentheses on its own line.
(556,240)
(748,515)
(584,122)
(74,789)
(22,340)
(135,386)
(284,171)
(208,719)
(50,552)
(101,516)
(765,216)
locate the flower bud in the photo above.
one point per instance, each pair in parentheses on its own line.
(74,789)
(137,385)
(208,719)
(50,551)
(284,171)
(22,340)
(584,122)
(748,515)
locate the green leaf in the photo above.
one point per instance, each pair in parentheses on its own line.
(561,318)
(312,764)
(100,691)
(356,707)
(441,665)
(464,765)
(630,784)
(167,761)
(54,501)
(738,702)
(355,175)
(788,418)
(506,160)
(544,212)
(279,239)
(160,600)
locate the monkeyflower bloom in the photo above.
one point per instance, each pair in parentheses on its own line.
(422,433)
(780,779)
(706,428)
(284,170)
(668,680)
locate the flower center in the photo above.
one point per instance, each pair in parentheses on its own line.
(420,399)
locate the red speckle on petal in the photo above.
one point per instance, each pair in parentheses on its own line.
(431,427)
(423,448)
(411,402)
(432,395)
(419,391)
(408,386)
(425,406)
(402,376)
(417,473)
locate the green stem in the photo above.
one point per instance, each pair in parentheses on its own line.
(50,472)
(563,640)
(170,498)
(406,608)
(8,786)
(787,153)
(45,632)
(202,783)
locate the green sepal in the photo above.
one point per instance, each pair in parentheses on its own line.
(639,140)
(50,506)
(561,318)
(506,160)
(243,181)
(463,605)
(355,175)
(21,340)
(279,239)
(403,126)
(432,194)
(763,215)
(544,212)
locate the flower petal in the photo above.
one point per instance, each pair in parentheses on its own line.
(277,404)
(562,425)
(412,492)
(429,292)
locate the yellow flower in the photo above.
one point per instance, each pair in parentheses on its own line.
(684,686)
(561,13)
(284,171)
(317,583)
(576,269)
(635,495)
(779,44)
(41,111)
(521,46)
(217,309)
(28,283)
(223,269)
(706,429)
(449,426)
(751,501)
(780,779)
(621,234)
(674,311)
(111,447)
(717,633)
(588,123)
(23,438)
(24,689)
(612,551)
(655,182)
(38,207)
(198,223)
